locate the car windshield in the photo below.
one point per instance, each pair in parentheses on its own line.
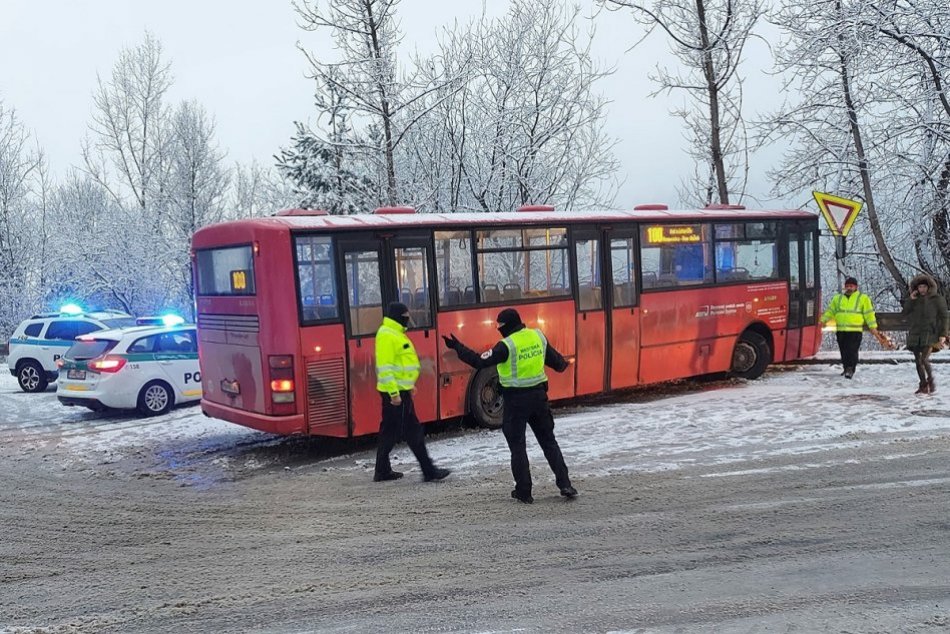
(119,322)
(89,349)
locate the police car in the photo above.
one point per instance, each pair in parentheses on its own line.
(39,341)
(148,368)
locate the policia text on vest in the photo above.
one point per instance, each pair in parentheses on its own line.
(521,357)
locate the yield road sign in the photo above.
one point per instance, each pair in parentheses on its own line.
(840,213)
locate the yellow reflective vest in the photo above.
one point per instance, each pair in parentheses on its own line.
(851,313)
(524,366)
(397,365)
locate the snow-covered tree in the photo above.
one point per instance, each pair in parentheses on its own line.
(708,37)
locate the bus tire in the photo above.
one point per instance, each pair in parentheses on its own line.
(485,402)
(31,376)
(155,398)
(751,355)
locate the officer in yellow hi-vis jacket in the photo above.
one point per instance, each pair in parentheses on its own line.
(397,368)
(521,356)
(851,310)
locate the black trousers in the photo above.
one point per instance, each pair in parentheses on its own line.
(848,344)
(531,407)
(925,370)
(401,423)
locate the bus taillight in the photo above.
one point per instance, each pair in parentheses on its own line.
(282,379)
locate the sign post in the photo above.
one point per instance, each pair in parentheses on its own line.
(840,214)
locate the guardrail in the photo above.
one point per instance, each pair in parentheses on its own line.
(891,322)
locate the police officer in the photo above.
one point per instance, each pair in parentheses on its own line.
(397,368)
(521,356)
(851,310)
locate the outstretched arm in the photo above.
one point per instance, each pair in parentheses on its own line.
(498,354)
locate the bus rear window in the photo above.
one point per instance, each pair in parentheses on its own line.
(225,271)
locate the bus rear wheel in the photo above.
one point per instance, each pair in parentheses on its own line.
(485,401)
(751,355)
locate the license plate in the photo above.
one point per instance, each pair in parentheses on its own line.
(79,375)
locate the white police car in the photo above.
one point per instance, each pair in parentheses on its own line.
(148,368)
(39,341)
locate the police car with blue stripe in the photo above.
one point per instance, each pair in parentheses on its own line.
(148,368)
(38,342)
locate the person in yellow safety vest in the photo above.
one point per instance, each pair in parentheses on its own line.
(850,310)
(397,368)
(521,357)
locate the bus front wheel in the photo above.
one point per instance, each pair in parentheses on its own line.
(751,356)
(485,401)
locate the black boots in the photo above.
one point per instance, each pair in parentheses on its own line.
(437,474)
(522,497)
(569,492)
(848,372)
(383,477)
(923,388)
(931,385)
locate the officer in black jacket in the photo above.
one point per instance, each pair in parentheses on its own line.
(524,386)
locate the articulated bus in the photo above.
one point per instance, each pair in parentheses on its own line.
(288,306)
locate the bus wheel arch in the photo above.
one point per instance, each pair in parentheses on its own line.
(485,403)
(753,352)
(155,398)
(31,376)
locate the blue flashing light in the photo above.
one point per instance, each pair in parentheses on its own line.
(172,320)
(70,309)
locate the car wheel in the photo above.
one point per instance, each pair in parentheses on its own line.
(485,401)
(31,377)
(751,355)
(155,398)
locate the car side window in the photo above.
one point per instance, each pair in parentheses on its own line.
(33,330)
(85,327)
(145,344)
(182,341)
(61,330)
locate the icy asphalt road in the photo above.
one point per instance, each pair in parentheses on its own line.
(801,502)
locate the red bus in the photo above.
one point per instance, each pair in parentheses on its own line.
(288,306)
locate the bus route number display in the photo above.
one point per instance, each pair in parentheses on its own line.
(674,234)
(238,281)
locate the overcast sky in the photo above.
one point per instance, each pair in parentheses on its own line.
(239,60)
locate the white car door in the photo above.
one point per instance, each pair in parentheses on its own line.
(177,354)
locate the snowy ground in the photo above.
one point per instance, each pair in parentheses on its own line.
(792,410)
(802,502)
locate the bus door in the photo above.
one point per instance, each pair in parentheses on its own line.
(409,278)
(802,290)
(591,327)
(623,300)
(362,273)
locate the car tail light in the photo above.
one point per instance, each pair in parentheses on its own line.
(282,383)
(109,364)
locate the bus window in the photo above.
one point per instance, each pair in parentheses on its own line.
(363,291)
(453,262)
(679,255)
(623,265)
(315,278)
(809,260)
(589,295)
(745,252)
(516,264)
(412,278)
(225,271)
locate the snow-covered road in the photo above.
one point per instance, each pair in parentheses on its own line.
(793,409)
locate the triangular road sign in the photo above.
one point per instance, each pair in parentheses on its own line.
(840,213)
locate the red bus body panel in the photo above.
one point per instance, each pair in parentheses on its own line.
(670,334)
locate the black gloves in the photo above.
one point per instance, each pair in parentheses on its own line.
(451,342)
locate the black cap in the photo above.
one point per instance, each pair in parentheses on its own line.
(851,280)
(509,317)
(396,310)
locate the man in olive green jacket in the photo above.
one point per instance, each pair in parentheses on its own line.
(928,327)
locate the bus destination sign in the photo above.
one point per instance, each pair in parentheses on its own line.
(674,234)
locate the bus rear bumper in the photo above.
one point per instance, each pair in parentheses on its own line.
(284,425)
